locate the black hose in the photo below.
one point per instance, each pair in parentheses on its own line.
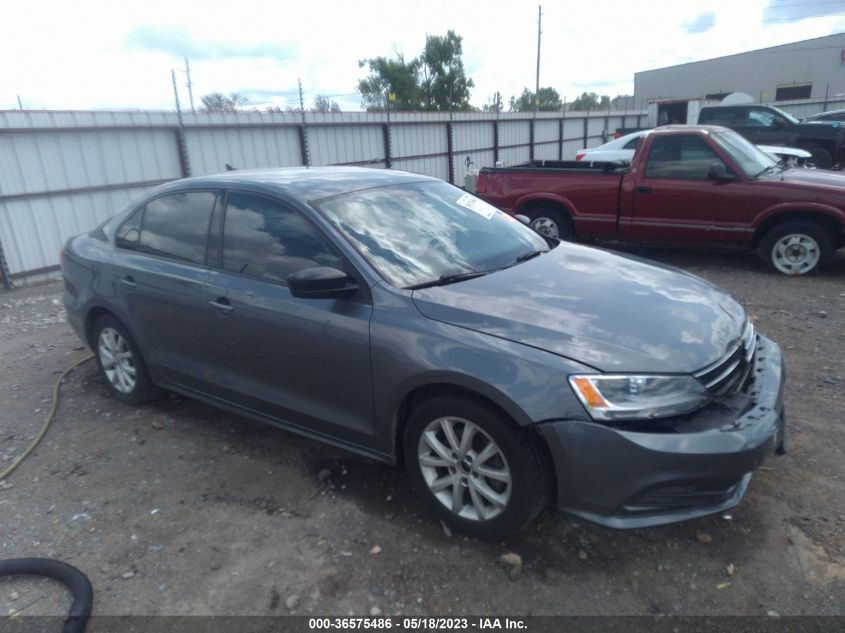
(71,577)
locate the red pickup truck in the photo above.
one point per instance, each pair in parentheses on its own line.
(689,185)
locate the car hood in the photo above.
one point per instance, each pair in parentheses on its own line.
(609,311)
(809,177)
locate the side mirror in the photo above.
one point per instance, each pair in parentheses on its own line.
(320,282)
(523,218)
(719,172)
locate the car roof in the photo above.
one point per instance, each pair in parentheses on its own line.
(304,183)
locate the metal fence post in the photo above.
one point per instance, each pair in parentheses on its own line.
(4,269)
(385,132)
(182,149)
(495,141)
(586,129)
(531,139)
(451,152)
(560,138)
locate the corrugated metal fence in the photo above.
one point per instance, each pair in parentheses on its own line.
(62,173)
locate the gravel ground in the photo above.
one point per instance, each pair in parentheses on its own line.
(178,508)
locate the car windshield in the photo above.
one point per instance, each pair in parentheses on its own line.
(785,115)
(751,160)
(422,232)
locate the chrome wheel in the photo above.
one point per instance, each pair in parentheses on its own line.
(796,254)
(464,469)
(545,226)
(116,360)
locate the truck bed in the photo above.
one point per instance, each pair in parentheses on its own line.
(558,166)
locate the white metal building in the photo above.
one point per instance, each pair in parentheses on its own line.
(810,69)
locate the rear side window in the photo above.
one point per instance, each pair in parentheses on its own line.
(176,226)
(682,157)
(265,239)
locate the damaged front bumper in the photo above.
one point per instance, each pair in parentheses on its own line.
(645,475)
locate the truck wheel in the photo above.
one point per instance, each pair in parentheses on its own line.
(475,468)
(550,223)
(797,248)
(820,156)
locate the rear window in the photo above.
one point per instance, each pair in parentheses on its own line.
(174,226)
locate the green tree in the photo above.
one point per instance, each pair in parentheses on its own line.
(436,80)
(549,101)
(590,101)
(218,102)
(445,85)
(389,75)
(324,104)
(494,104)
(622,102)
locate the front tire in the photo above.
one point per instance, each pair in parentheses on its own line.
(474,467)
(797,248)
(120,363)
(820,156)
(550,223)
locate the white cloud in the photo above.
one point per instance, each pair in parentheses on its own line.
(76,55)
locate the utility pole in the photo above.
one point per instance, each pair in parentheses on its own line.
(190,85)
(537,84)
(176,96)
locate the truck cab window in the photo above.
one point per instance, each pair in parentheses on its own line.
(679,157)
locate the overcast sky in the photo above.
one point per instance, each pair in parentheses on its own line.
(117,54)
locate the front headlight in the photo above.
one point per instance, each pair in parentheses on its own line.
(631,397)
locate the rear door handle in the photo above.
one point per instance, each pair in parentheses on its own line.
(643,189)
(129,283)
(222,305)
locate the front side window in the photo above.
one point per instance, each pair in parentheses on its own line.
(176,226)
(682,157)
(265,239)
(417,233)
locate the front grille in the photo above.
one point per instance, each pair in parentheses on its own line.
(731,370)
(680,496)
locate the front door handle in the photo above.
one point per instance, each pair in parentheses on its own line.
(129,283)
(222,305)
(643,189)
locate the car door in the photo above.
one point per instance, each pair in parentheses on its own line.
(302,361)
(161,274)
(675,201)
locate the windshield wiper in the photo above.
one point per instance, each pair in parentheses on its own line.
(764,171)
(524,257)
(445,280)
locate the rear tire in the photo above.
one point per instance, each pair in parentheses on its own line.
(820,156)
(120,362)
(550,222)
(797,248)
(474,467)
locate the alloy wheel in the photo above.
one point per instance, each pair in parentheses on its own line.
(795,254)
(546,226)
(464,469)
(116,360)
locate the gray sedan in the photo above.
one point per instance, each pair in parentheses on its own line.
(401,318)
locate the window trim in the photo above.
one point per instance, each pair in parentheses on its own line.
(141,208)
(351,270)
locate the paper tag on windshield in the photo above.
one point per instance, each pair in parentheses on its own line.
(480,207)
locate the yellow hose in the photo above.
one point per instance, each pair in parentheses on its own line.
(47,421)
